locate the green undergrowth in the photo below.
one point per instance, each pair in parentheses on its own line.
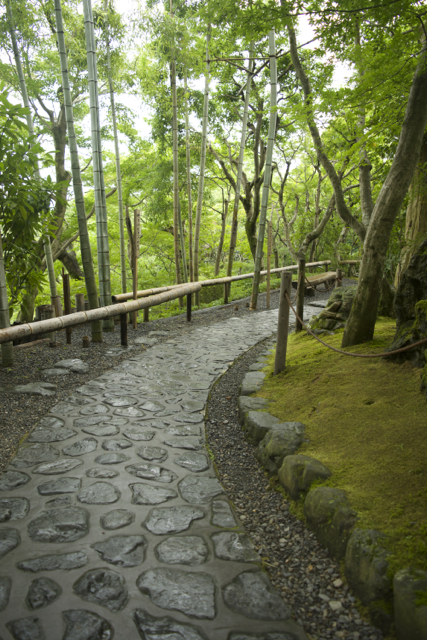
(367,421)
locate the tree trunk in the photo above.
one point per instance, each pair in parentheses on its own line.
(175,174)
(222,236)
(190,203)
(267,170)
(7,347)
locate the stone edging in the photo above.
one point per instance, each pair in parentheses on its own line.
(330,516)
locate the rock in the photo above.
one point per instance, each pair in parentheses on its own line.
(102,473)
(13,480)
(152,453)
(146,342)
(119,401)
(116,445)
(94,410)
(191,550)
(5,587)
(184,430)
(74,364)
(282,440)
(42,592)
(192,444)
(129,412)
(189,593)
(230,545)
(246,404)
(147,494)
(172,519)
(199,490)
(222,515)
(195,462)
(99,493)
(60,525)
(192,406)
(329,515)
(13,508)
(251,594)
(252,382)
(138,433)
(86,625)
(117,519)
(45,434)
(62,562)
(36,389)
(61,485)
(164,628)
(152,407)
(104,587)
(151,472)
(257,424)
(87,445)
(60,466)
(410,603)
(298,473)
(366,566)
(55,372)
(26,629)
(59,502)
(30,454)
(123,551)
(112,458)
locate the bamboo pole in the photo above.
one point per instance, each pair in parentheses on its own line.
(283,324)
(301,292)
(268,262)
(7,347)
(190,203)
(267,169)
(67,302)
(136,235)
(85,248)
(98,171)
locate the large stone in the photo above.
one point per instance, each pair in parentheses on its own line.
(184,430)
(257,424)
(192,406)
(191,550)
(87,445)
(102,473)
(5,587)
(26,629)
(13,480)
(188,418)
(147,494)
(189,593)
(58,467)
(59,502)
(164,628)
(116,445)
(230,545)
(30,454)
(123,551)
(152,407)
(410,604)
(13,508)
(172,519)
(46,434)
(138,433)
(61,485)
(119,401)
(117,519)
(104,587)
(222,515)
(192,444)
(298,473)
(329,515)
(60,525)
(42,592)
(195,462)
(337,309)
(86,625)
(112,458)
(199,490)
(102,430)
(151,472)
(73,364)
(36,389)
(99,493)
(247,403)
(251,383)
(152,453)
(61,562)
(129,412)
(251,594)
(94,410)
(282,440)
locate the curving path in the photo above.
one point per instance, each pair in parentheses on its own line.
(113,523)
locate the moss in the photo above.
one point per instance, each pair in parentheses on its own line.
(421,598)
(365,420)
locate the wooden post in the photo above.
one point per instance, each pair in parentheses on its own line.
(123,330)
(189,307)
(80,301)
(136,236)
(147,314)
(326,267)
(226,293)
(283,323)
(67,302)
(48,313)
(301,292)
(338,281)
(268,262)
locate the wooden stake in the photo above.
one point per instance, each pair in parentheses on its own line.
(189,307)
(80,301)
(67,302)
(301,292)
(268,261)
(283,324)
(123,330)
(136,236)
(338,281)
(147,314)
(226,293)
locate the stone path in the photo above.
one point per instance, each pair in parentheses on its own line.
(113,523)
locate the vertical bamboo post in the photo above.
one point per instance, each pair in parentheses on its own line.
(67,302)
(338,279)
(136,234)
(283,323)
(301,291)
(268,262)
(189,307)
(7,347)
(147,314)
(123,330)
(47,314)
(80,301)
(226,293)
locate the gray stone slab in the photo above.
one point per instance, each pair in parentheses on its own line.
(94,410)
(152,407)
(116,445)
(13,480)
(147,494)
(9,540)
(251,383)
(138,433)
(46,434)
(55,372)
(99,493)
(80,448)
(192,418)
(26,629)
(190,443)
(167,628)
(58,467)
(60,525)
(119,401)
(195,462)
(222,515)
(152,423)
(102,430)
(247,403)
(190,550)
(257,425)
(123,551)
(5,586)
(117,519)
(151,472)
(230,545)
(42,592)
(31,454)
(184,430)
(61,485)
(36,389)
(251,594)
(62,562)
(60,501)
(111,458)
(190,593)
(103,587)
(172,519)
(199,490)
(73,364)
(86,625)
(13,508)
(152,453)
(102,473)
(146,342)
(192,406)
(129,412)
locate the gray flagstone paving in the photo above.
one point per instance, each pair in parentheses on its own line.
(113,523)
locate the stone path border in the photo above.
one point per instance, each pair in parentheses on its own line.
(113,523)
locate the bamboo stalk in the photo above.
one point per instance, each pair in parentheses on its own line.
(190,203)
(267,169)
(6,348)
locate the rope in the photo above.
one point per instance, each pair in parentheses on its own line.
(355,355)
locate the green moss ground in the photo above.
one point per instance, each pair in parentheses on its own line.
(367,421)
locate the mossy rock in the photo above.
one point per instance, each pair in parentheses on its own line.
(410,604)
(280,441)
(298,472)
(257,424)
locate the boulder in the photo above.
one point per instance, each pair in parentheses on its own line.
(298,473)
(281,440)
(251,383)
(329,515)
(410,604)
(257,424)
(247,403)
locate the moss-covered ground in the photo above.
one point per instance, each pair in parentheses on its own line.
(367,421)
